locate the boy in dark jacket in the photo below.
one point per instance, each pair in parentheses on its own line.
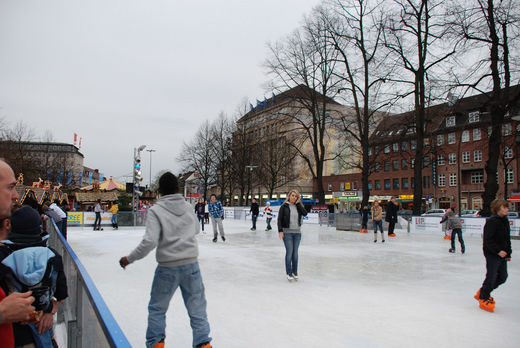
(255,210)
(28,264)
(497,251)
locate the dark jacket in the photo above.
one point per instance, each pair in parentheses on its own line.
(364,215)
(284,215)
(391,212)
(497,236)
(200,208)
(22,333)
(255,210)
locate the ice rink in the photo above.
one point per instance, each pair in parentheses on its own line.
(407,292)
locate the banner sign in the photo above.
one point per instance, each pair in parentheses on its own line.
(74,218)
(90,217)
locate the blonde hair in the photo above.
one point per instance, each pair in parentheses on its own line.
(289,195)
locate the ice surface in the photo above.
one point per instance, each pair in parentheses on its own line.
(408,292)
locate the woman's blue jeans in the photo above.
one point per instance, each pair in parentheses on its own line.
(165,282)
(292,243)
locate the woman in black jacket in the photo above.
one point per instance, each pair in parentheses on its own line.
(289,228)
(497,251)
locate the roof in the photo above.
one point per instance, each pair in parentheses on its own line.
(296,93)
(395,126)
(51,147)
(91,197)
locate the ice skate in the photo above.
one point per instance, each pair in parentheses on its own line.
(223,238)
(295,276)
(215,240)
(477,297)
(159,344)
(486,305)
(383,241)
(391,235)
(204,345)
(452,251)
(290,277)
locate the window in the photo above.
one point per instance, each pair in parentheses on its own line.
(477,156)
(450,121)
(413,144)
(395,147)
(477,177)
(378,184)
(395,184)
(451,138)
(465,136)
(510,178)
(453,179)
(412,163)
(377,167)
(387,149)
(404,164)
(465,157)
(426,181)
(395,164)
(370,185)
(376,150)
(508,152)
(330,187)
(441,160)
(387,166)
(404,146)
(506,129)
(413,182)
(477,134)
(440,139)
(387,184)
(370,151)
(426,161)
(489,130)
(474,117)
(442,180)
(404,183)
(452,158)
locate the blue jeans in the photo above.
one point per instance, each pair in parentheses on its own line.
(292,243)
(201,220)
(269,223)
(380,224)
(165,282)
(253,218)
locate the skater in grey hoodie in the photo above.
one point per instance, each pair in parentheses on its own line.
(171,226)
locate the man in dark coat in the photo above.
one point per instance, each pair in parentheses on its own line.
(391,216)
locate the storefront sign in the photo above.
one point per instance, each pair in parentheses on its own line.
(406,197)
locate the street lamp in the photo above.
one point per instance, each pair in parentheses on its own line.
(250,167)
(150,183)
(136,179)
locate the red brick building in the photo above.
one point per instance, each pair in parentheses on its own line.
(455,155)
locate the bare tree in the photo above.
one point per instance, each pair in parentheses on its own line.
(493,26)
(197,156)
(415,35)
(354,28)
(305,59)
(221,130)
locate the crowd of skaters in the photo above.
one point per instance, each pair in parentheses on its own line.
(171,229)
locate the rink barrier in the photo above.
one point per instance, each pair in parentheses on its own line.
(84,314)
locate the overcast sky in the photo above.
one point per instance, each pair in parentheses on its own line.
(122,73)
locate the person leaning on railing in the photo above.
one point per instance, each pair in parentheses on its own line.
(17,306)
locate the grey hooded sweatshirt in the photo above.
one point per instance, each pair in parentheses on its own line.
(171,226)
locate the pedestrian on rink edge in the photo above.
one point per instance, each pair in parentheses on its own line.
(254,210)
(377,219)
(216,211)
(199,211)
(497,251)
(455,225)
(391,216)
(289,230)
(268,212)
(171,227)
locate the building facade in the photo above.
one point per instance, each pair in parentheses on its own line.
(455,153)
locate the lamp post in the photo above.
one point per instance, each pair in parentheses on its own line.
(250,167)
(150,183)
(136,179)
